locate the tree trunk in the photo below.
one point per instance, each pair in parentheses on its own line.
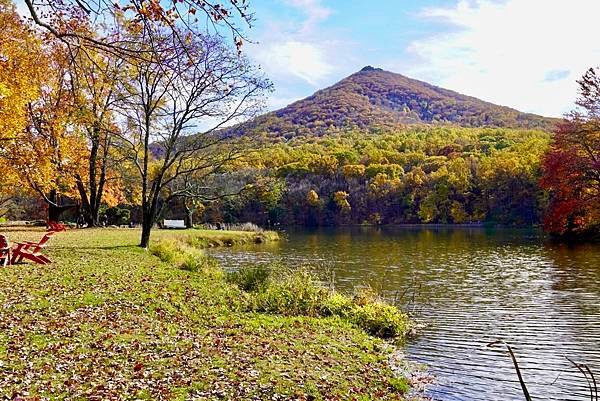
(146,229)
(54,212)
(91,211)
(91,196)
(189,221)
(148,219)
(54,209)
(93,217)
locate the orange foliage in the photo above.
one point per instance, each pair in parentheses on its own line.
(572,167)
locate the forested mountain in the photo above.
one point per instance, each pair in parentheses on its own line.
(374,98)
(381,148)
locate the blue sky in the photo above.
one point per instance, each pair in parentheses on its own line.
(525,54)
(306,45)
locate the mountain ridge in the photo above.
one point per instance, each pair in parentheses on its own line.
(375,98)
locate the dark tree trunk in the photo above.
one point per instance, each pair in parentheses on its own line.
(149,214)
(55,210)
(91,213)
(91,197)
(189,221)
(146,229)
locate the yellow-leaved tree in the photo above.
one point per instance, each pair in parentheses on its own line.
(49,151)
(18,64)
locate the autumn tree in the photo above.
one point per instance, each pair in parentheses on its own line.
(94,79)
(165,100)
(572,166)
(19,65)
(40,146)
(49,151)
(61,20)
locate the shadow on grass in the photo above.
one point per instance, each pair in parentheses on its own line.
(78,249)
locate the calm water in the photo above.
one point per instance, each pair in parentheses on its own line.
(473,286)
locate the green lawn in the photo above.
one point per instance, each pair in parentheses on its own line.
(108,320)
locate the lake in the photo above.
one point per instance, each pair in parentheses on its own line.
(472,286)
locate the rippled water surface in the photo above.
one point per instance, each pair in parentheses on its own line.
(473,286)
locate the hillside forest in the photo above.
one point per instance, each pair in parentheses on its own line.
(414,175)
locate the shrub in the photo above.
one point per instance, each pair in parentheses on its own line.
(368,312)
(177,253)
(249,279)
(291,293)
(380,319)
(167,250)
(117,215)
(337,304)
(297,292)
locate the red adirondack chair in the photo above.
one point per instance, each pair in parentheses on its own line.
(32,250)
(4,251)
(55,226)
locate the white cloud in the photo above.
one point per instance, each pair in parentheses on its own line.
(313,9)
(292,51)
(521,53)
(300,59)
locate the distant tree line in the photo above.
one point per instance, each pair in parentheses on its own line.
(416,175)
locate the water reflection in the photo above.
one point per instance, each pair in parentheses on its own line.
(473,286)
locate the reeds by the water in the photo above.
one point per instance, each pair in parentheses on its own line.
(581,367)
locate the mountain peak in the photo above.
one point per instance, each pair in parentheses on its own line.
(370,68)
(368,100)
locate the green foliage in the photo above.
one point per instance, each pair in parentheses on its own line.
(337,304)
(400,384)
(390,170)
(180,254)
(291,293)
(249,279)
(298,293)
(379,319)
(118,216)
(373,315)
(410,175)
(166,250)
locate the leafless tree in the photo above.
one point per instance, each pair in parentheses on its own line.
(183,87)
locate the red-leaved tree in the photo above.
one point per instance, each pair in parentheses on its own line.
(572,166)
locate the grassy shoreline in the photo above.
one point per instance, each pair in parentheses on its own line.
(110,320)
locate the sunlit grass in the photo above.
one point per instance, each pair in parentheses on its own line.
(109,319)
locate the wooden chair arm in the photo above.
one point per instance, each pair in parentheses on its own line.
(26,245)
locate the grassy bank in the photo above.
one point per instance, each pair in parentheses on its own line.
(213,238)
(108,320)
